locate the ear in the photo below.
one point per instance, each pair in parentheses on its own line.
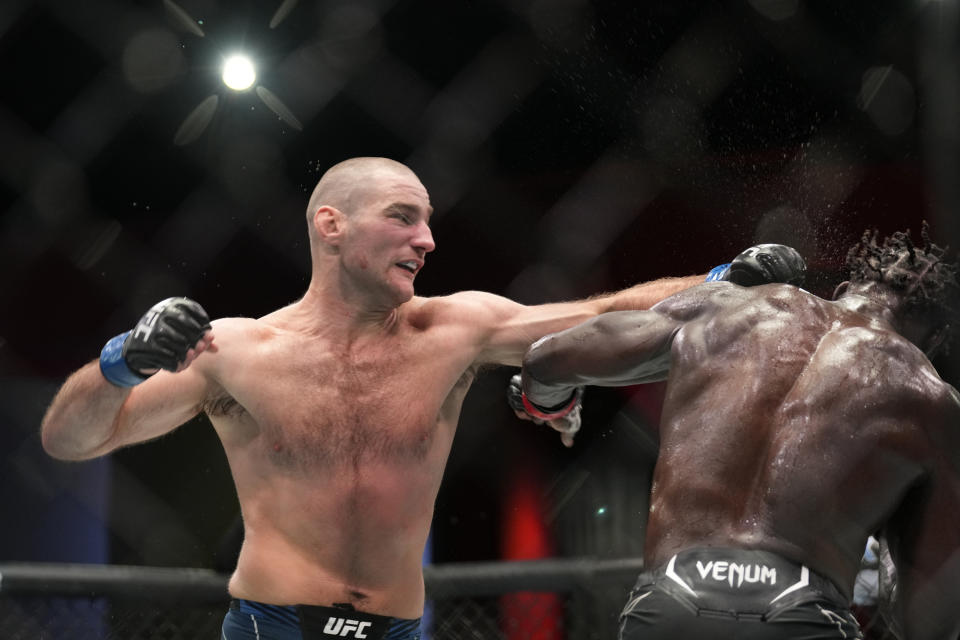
(328,222)
(841,289)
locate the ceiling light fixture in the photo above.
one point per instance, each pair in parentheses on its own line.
(238,72)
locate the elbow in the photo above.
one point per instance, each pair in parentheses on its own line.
(60,446)
(48,439)
(544,379)
(531,360)
(57,450)
(538,361)
(51,430)
(53,445)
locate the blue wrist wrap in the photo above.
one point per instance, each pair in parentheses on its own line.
(112,365)
(719,272)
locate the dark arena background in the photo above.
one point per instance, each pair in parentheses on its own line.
(570,147)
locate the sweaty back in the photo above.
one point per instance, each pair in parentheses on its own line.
(788,427)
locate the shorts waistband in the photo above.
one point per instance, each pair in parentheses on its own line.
(763,577)
(337,620)
(281,614)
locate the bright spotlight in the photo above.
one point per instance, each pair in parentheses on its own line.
(238,72)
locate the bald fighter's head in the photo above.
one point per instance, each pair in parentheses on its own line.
(345,184)
(368,220)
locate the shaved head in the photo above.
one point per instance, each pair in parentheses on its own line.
(345,184)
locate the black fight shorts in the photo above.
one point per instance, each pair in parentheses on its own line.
(705,594)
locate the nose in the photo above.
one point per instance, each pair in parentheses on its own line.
(423,239)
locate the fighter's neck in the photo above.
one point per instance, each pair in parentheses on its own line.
(334,315)
(878,308)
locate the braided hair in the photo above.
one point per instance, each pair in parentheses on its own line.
(927,282)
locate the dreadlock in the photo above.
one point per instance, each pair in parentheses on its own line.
(929,284)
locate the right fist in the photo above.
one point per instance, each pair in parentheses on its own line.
(766,263)
(762,264)
(160,340)
(564,419)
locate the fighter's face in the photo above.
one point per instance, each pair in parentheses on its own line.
(389,236)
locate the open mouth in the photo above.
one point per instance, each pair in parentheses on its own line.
(409,265)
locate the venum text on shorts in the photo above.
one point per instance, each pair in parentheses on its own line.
(735,573)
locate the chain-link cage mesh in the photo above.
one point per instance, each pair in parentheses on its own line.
(462,604)
(99,618)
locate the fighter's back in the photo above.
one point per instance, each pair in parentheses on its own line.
(791,424)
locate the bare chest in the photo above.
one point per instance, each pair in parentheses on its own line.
(322,408)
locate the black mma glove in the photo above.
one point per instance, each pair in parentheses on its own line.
(564,417)
(762,264)
(518,401)
(160,340)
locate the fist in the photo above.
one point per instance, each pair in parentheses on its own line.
(164,335)
(567,425)
(766,263)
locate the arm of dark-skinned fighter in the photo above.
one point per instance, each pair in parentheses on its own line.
(923,537)
(613,349)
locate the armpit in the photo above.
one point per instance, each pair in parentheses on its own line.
(224,405)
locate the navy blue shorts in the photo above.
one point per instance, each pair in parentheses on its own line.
(735,593)
(248,620)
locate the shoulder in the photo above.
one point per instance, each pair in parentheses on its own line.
(729,312)
(881,347)
(879,351)
(898,371)
(471,307)
(945,427)
(245,329)
(717,296)
(470,299)
(239,346)
(234,339)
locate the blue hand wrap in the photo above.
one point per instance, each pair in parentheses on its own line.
(114,368)
(719,272)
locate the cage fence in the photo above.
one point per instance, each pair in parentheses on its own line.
(559,599)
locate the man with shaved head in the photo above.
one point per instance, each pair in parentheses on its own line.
(336,412)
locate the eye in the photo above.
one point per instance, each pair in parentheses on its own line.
(402,217)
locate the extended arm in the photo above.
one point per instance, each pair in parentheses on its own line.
(116,401)
(510,328)
(615,349)
(516,326)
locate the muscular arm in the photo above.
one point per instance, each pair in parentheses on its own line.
(924,539)
(110,403)
(90,417)
(613,349)
(514,327)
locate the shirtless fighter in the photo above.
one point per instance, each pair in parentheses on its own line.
(792,429)
(336,412)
